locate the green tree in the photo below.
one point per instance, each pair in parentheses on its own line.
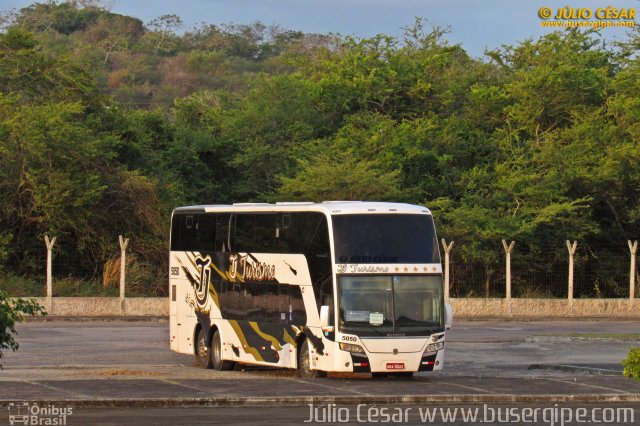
(339,175)
(12,312)
(64,18)
(26,72)
(162,36)
(268,129)
(64,166)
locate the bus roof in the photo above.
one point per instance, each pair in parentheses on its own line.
(327,207)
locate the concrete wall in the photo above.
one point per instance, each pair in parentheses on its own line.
(107,306)
(545,308)
(462,308)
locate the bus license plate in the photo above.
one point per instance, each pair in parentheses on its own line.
(395,366)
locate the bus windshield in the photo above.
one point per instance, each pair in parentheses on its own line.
(375,305)
(385,238)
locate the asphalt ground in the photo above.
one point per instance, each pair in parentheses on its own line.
(121,364)
(563,414)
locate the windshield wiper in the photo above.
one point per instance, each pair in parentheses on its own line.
(364,329)
(383,333)
(408,321)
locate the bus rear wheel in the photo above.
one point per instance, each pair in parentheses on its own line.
(304,362)
(202,350)
(216,354)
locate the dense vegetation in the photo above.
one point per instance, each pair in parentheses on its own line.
(107,123)
(11,313)
(632,364)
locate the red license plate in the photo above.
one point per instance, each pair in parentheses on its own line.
(395,366)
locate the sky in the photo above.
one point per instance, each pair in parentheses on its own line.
(475,24)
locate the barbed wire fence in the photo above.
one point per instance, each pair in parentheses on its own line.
(598,272)
(121,273)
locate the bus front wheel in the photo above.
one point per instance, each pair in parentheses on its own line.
(216,354)
(304,362)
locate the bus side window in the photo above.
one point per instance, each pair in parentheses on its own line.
(205,232)
(221,232)
(297,313)
(254,233)
(267,304)
(183,233)
(176,233)
(193,232)
(312,239)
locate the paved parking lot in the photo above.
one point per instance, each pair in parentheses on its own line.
(256,389)
(112,363)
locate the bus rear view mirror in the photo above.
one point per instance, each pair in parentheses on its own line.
(324,318)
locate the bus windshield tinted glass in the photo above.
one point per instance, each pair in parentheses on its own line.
(381,304)
(385,238)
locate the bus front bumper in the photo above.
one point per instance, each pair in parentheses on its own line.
(389,362)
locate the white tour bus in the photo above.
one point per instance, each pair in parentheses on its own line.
(319,287)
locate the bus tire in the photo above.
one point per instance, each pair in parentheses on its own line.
(202,350)
(216,354)
(304,362)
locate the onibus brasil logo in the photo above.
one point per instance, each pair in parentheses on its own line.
(25,413)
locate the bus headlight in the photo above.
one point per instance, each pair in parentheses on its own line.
(349,347)
(435,347)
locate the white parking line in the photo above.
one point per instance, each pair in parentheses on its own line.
(173,382)
(585,385)
(469,387)
(315,383)
(444,383)
(55,388)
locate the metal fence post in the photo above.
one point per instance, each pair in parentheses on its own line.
(447,249)
(508,249)
(572,251)
(124,242)
(50,243)
(633,247)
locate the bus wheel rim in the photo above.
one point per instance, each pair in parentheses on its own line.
(202,348)
(306,359)
(217,356)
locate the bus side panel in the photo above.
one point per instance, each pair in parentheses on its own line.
(186,320)
(185,283)
(250,342)
(272,342)
(173,310)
